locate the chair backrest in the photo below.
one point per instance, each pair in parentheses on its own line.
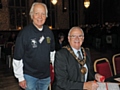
(51,73)
(12,51)
(102,66)
(116,63)
(8,47)
(9,44)
(51,76)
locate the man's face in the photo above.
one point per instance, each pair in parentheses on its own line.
(76,38)
(39,15)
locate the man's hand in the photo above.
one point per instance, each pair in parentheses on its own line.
(23,84)
(91,85)
(99,77)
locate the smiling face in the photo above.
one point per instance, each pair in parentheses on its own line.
(39,15)
(76,37)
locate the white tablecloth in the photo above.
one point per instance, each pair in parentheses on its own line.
(111,86)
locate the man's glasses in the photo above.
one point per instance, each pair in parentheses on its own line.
(76,36)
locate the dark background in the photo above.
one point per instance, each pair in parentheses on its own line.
(101,11)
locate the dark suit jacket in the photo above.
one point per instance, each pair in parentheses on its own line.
(67,71)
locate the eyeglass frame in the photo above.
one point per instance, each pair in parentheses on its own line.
(76,36)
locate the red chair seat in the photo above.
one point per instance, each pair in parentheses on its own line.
(51,73)
(102,66)
(103,69)
(117,62)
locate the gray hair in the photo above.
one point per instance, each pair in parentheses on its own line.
(32,7)
(76,27)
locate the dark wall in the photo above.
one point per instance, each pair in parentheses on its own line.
(101,11)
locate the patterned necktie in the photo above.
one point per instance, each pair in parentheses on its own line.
(79,55)
(82,75)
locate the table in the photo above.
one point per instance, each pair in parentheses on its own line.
(112,79)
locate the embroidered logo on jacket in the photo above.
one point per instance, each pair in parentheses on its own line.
(34,43)
(48,39)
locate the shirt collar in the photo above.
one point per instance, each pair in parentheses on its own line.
(75,50)
(40,29)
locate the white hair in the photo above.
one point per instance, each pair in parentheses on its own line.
(76,27)
(32,7)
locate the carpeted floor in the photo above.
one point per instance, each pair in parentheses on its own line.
(7,79)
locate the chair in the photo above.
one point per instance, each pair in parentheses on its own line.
(49,87)
(51,76)
(11,56)
(12,50)
(8,52)
(116,63)
(102,66)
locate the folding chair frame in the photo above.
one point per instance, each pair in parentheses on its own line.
(113,62)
